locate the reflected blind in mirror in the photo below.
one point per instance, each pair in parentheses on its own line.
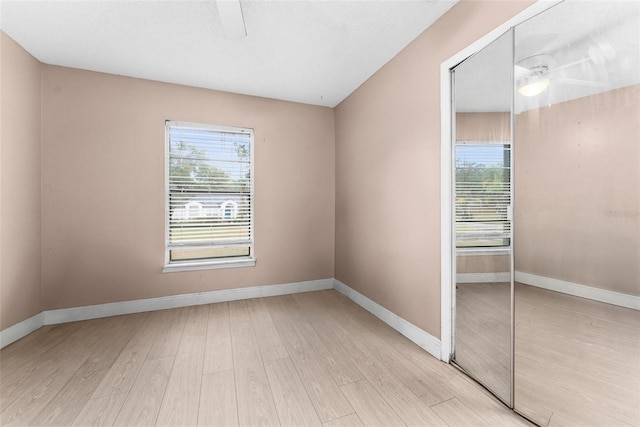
(482,194)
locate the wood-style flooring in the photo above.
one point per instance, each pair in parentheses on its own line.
(296,360)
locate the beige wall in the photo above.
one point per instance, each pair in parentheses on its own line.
(483,126)
(388,169)
(577,199)
(483,264)
(19,183)
(103,188)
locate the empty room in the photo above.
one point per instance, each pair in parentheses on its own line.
(320,212)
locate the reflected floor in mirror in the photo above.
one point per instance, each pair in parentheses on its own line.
(577,360)
(483,334)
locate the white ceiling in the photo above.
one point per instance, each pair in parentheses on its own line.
(310,51)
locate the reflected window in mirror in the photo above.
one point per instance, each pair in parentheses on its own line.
(483,194)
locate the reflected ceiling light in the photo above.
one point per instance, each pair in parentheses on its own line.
(535,82)
(533,85)
(231,18)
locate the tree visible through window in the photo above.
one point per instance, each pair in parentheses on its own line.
(483,194)
(210,193)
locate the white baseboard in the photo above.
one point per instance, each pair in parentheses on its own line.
(483,277)
(575,289)
(74,314)
(22,329)
(53,317)
(420,337)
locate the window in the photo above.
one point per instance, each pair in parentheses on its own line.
(483,194)
(209,202)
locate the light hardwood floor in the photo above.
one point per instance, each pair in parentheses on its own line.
(306,359)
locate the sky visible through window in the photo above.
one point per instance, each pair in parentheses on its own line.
(481,154)
(228,151)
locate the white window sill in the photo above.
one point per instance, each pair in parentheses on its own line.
(207,265)
(483,251)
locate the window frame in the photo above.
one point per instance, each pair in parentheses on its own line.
(206,263)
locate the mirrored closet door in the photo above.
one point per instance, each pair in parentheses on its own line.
(546,197)
(482,93)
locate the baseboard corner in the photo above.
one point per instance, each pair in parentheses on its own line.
(21,329)
(418,336)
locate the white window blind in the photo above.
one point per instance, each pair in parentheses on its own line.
(483,194)
(209,192)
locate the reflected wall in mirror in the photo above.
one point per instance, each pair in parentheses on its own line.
(482,182)
(577,215)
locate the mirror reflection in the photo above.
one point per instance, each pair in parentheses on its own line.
(576,225)
(482,159)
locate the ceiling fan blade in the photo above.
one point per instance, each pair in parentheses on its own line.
(570,64)
(231,18)
(579,82)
